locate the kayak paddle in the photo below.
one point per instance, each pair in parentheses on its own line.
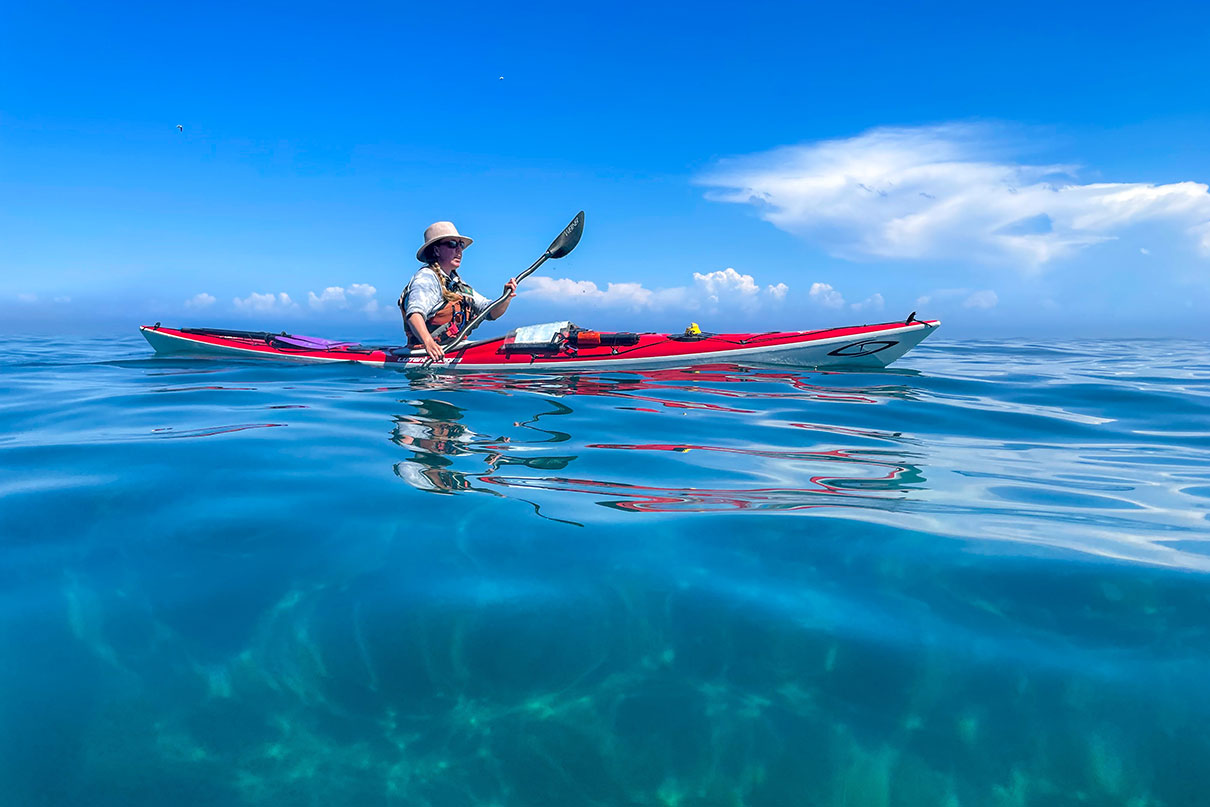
(561,246)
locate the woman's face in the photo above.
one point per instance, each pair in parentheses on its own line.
(449,253)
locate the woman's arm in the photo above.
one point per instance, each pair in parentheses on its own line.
(510,288)
(421,298)
(416,323)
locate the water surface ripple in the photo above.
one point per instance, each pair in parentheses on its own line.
(979,577)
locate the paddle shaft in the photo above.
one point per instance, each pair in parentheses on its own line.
(474,323)
(563,244)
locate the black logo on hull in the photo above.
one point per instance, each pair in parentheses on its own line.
(865,348)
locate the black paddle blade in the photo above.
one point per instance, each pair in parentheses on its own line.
(568,239)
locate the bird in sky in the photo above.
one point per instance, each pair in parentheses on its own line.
(180,128)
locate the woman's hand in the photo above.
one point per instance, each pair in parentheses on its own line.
(435,351)
(510,291)
(416,323)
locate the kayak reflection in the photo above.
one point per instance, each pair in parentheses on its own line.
(722,381)
(787,441)
(882,492)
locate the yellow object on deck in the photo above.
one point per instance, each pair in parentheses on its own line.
(693,330)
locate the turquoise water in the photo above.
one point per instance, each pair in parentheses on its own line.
(977,578)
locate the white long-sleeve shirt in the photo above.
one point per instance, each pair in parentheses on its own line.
(422,295)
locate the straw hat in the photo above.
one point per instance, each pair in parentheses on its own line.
(439,231)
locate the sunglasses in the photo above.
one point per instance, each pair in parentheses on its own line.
(452,244)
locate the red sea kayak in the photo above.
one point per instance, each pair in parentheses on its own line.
(563,346)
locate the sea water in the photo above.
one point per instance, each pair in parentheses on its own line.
(979,577)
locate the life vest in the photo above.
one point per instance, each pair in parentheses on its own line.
(455,312)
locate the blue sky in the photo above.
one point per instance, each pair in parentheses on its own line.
(1013,170)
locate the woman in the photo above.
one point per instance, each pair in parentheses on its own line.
(436,295)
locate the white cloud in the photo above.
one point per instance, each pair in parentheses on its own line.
(616,295)
(202,300)
(939,192)
(332,297)
(728,286)
(358,295)
(726,282)
(28,298)
(630,294)
(981,299)
(1144,250)
(872,303)
(725,288)
(265,303)
(560,288)
(362,292)
(825,295)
